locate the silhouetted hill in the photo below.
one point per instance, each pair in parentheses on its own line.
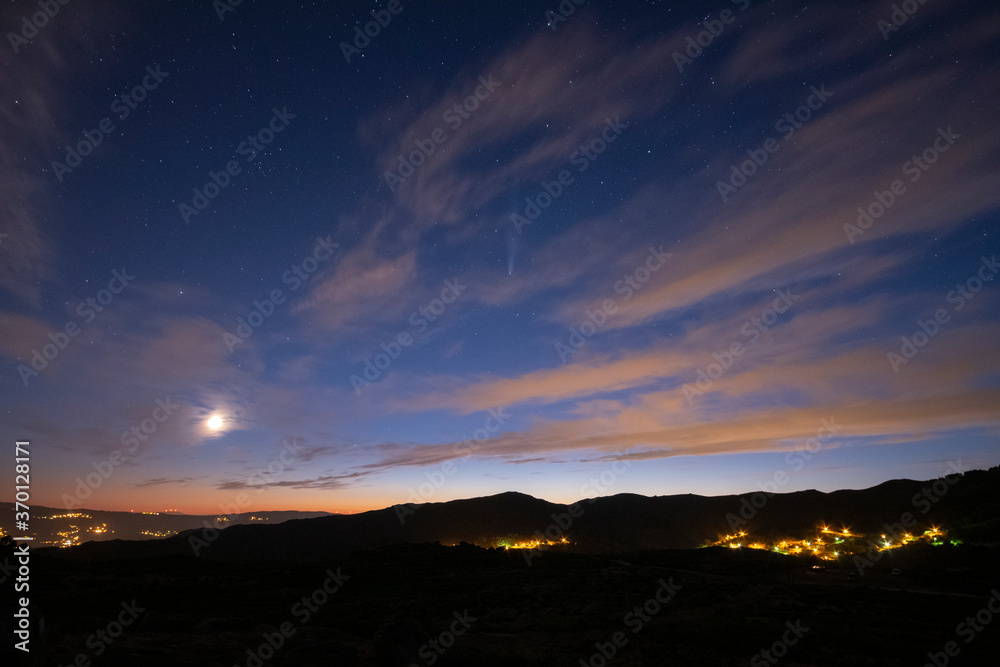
(52,526)
(966,506)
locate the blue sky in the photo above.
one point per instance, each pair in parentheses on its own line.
(630,249)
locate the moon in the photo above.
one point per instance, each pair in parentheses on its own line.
(215,422)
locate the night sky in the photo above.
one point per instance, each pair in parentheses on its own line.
(493,248)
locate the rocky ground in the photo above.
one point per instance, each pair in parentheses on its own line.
(434,605)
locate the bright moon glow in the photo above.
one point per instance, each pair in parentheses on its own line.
(215,422)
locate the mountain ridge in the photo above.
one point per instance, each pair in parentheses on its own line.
(606,524)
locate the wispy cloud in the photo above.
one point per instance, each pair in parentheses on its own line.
(165,481)
(321,482)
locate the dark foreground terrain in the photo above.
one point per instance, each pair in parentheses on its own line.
(430,604)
